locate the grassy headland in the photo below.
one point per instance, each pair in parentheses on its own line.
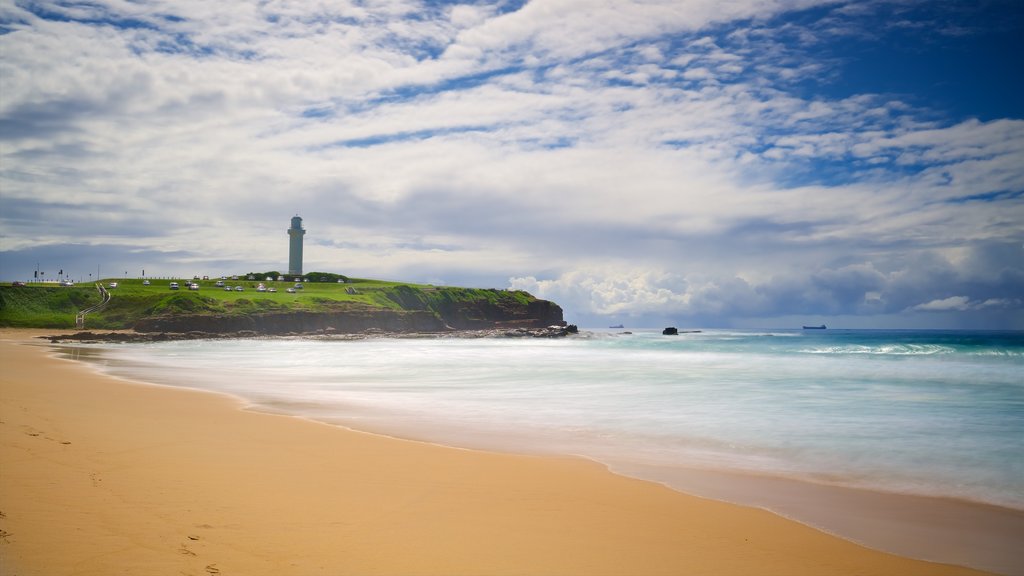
(133,300)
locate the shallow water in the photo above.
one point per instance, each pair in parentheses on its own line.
(924,413)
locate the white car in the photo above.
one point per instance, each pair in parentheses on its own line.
(271,289)
(193,286)
(174,285)
(145,282)
(227,288)
(113,285)
(290,290)
(239,289)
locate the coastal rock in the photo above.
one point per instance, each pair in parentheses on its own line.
(131,336)
(344,322)
(416,316)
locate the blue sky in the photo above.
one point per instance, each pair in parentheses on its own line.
(761,163)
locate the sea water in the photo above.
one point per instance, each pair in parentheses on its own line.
(929,413)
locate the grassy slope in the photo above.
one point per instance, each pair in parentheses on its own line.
(44,306)
(55,307)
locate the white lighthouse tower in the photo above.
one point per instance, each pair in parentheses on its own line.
(295,234)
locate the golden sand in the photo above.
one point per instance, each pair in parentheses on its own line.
(103,476)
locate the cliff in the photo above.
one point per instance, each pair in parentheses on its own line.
(472,315)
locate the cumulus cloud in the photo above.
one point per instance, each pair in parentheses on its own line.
(951,303)
(929,282)
(963,303)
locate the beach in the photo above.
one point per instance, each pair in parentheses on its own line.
(107,476)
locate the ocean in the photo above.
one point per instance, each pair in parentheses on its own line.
(921,413)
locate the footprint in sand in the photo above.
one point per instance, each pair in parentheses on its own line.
(35,433)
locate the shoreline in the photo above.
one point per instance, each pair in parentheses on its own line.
(937,529)
(145,458)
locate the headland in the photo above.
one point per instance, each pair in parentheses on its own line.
(267,305)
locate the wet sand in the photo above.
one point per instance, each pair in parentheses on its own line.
(104,476)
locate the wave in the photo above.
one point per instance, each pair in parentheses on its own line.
(910,350)
(885,349)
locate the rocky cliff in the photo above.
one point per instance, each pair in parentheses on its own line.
(416,316)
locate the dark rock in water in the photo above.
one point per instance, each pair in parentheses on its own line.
(670,331)
(549,332)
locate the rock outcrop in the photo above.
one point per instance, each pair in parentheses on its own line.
(325,334)
(415,317)
(277,323)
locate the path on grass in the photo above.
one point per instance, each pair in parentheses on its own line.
(104,300)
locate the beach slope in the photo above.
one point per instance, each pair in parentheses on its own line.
(102,476)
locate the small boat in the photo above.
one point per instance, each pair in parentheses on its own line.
(617,326)
(822,327)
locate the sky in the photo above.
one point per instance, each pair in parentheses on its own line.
(697,163)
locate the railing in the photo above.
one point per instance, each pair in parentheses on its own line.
(104,300)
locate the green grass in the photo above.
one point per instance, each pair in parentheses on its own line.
(49,306)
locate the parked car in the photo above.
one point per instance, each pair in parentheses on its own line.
(239,289)
(227,288)
(113,285)
(193,286)
(271,289)
(17,283)
(219,284)
(174,285)
(290,290)
(145,282)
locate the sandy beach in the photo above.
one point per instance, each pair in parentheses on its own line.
(104,476)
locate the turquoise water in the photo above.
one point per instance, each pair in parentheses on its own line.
(929,413)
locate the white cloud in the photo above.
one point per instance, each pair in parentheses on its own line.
(891,286)
(951,303)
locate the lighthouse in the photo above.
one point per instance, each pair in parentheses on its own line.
(295,234)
